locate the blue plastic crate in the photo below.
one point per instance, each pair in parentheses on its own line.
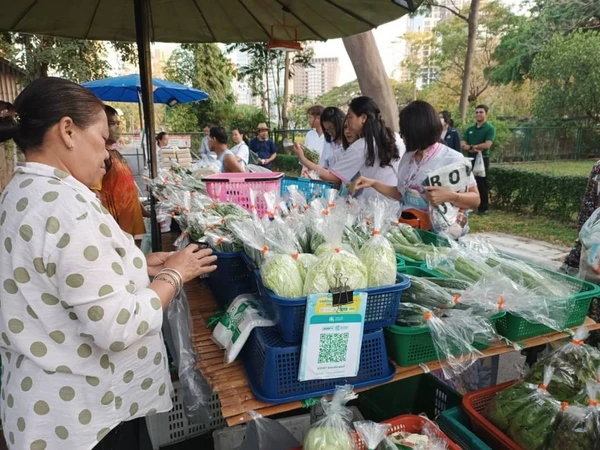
(289,313)
(272,367)
(232,278)
(457,426)
(310,188)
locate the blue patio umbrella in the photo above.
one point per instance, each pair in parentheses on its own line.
(127,89)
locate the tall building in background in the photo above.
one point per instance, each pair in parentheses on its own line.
(425,23)
(317,80)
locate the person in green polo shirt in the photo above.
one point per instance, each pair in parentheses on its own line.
(480,138)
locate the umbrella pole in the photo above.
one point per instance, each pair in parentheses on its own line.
(142,28)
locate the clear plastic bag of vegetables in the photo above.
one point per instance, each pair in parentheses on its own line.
(578,426)
(377,253)
(337,264)
(574,364)
(371,433)
(267,434)
(454,337)
(457,262)
(221,242)
(276,257)
(453,333)
(427,293)
(333,431)
(531,425)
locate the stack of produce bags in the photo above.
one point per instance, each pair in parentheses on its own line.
(556,403)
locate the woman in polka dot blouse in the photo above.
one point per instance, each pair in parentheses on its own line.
(82,353)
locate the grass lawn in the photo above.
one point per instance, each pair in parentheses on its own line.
(583,167)
(534,227)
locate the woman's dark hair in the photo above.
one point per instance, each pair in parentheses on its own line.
(43,104)
(380,139)
(160,136)
(420,125)
(336,117)
(447,118)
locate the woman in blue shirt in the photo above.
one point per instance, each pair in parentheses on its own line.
(450,135)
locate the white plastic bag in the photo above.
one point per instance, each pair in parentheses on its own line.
(479,167)
(233,330)
(589,236)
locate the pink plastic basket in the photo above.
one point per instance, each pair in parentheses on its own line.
(235,188)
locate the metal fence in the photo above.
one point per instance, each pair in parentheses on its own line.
(549,143)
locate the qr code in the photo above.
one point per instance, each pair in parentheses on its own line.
(333,347)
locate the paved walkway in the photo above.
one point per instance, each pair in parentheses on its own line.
(537,252)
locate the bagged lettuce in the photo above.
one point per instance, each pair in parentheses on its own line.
(578,426)
(337,266)
(377,253)
(574,364)
(531,425)
(333,431)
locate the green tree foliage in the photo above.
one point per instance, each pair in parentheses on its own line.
(528,34)
(567,71)
(202,66)
(495,19)
(340,96)
(74,59)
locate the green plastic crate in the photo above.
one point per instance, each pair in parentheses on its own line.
(416,395)
(457,426)
(428,238)
(414,345)
(516,328)
(422,272)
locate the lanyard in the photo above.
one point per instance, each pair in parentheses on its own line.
(429,153)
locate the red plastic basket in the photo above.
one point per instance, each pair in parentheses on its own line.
(412,424)
(235,188)
(475,405)
(409,423)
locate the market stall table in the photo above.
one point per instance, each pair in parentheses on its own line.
(230,381)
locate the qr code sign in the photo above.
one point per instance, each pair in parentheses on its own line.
(333,347)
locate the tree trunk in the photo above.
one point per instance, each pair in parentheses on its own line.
(268,93)
(372,78)
(471,43)
(285,120)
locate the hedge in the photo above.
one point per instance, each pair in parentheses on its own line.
(288,164)
(522,190)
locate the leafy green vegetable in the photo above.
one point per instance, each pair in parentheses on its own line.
(328,438)
(578,429)
(305,262)
(380,259)
(531,425)
(574,363)
(311,155)
(333,267)
(281,274)
(511,399)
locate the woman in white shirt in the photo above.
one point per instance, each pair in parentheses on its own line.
(421,131)
(332,122)
(374,155)
(240,149)
(83,357)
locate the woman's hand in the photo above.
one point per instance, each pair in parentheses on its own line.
(156,262)
(299,150)
(437,195)
(192,262)
(363,183)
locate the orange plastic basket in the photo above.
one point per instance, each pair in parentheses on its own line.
(475,404)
